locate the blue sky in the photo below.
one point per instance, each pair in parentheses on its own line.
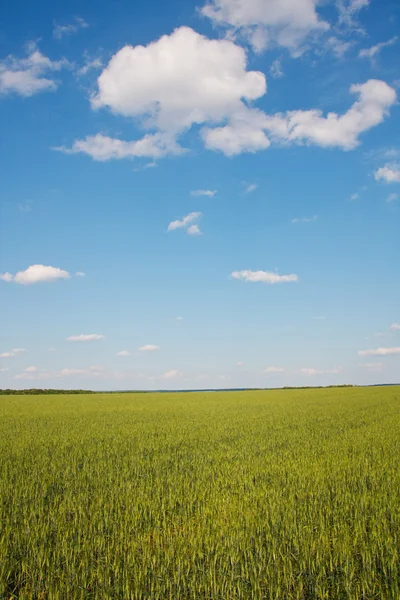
(200,195)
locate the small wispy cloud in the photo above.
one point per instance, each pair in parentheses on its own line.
(172,374)
(310,371)
(392,198)
(149,348)
(187,223)
(209,193)
(85,337)
(395,327)
(355,196)
(373,52)
(321,318)
(276,69)
(379,352)
(25,206)
(123,353)
(59,31)
(263,277)
(250,188)
(271,370)
(305,219)
(7,354)
(80,274)
(371,366)
(90,64)
(149,165)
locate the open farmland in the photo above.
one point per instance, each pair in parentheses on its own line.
(287,494)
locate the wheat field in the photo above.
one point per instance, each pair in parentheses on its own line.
(278,495)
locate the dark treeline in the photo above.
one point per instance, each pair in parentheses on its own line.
(35,391)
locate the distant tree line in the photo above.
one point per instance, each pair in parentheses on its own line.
(36,391)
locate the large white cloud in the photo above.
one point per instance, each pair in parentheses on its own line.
(178,80)
(285,23)
(28,76)
(36,274)
(343,131)
(263,277)
(185,79)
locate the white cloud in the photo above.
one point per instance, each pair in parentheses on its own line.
(7,354)
(243,133)
(379,352)
(374,50)
(85,337)
(395,327)
(337,46)
(61,30)
(30,369)
(310,372)
(66,372)
(239,363)
(276,69)
(27,76)
(194,230)
(270,370)
(25,206)
(186,79)
(179,80)
(184,223)
(371,366)
(90,65)
(123,353)
(209,193)
(355,196)
(18,350)
(101,147)
(342,131)
(388,173)
(250,188)
(178,318)
(173,374)
(149,348)
(52,349)
(392,198)
(348,9)
(36,274)
(305,219)
(4,369)
(80,274)
(266,23)
(149,165)
(263,276)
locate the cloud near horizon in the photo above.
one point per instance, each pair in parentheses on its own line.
(85,337)
(263,277)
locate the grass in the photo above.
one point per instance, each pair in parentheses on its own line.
(278,495)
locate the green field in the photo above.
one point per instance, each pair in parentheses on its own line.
(287,494)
